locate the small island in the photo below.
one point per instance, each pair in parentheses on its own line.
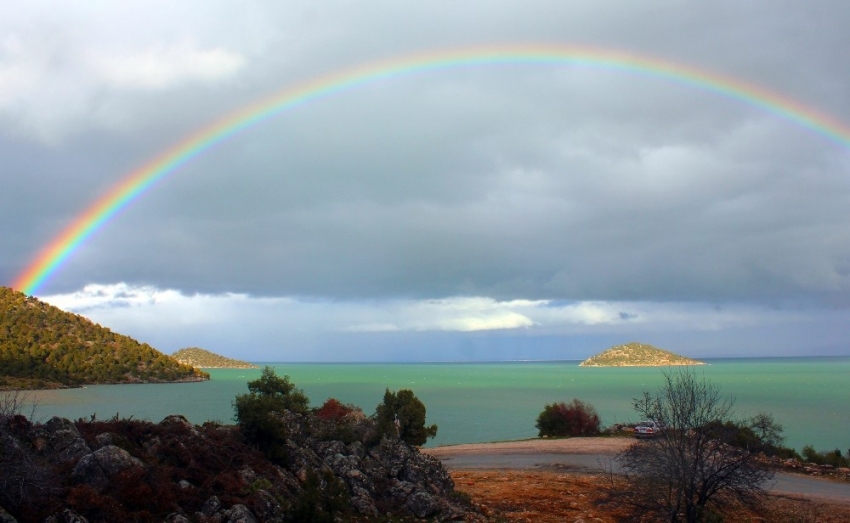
(204,359)
(636,354)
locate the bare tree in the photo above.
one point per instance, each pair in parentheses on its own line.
(15,403)
(22,478)
(686,472)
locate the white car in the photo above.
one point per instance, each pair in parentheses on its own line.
(647,429)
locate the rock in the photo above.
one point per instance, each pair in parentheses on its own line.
(107,438)
(59,441)
(179,424)
(364,505)
(422,504)
(66,516)
(175,517)
(248,475)
(5,517)
(211,506)
(240,514)
(356,449)
(266,507)
(96,468)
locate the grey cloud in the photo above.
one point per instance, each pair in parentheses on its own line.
(510,181)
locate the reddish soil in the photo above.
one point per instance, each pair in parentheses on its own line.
(545,496)
(542,496)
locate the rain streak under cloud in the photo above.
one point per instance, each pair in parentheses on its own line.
(510,211)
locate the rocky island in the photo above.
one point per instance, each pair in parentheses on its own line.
(636,354)
(204,359)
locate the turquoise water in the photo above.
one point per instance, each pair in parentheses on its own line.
(476,402)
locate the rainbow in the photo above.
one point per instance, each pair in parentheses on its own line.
(136,183)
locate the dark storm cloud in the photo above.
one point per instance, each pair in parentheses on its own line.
(537,182)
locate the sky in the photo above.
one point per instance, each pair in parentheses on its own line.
(509,210)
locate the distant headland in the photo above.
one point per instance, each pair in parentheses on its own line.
(204,359)
(636,354)
(44,347)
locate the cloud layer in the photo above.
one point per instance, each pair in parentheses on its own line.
(460,201)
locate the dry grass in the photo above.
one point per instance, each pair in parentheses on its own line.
(550,496)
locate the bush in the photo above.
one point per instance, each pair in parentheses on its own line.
(322,500)
(334,410)
(568,419)
(830,457)
(402,415)
(258,412)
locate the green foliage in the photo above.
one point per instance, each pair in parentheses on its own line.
(43,346)
(258,412)
(760,433)
(323,498)
(830,457)
(735,434)
(402,415)
(574,419)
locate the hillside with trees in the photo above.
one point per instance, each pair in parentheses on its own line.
(42,346)
(204,359)
(637,355)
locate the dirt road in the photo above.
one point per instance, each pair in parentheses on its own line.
(593,455)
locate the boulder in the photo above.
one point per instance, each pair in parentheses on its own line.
(211,506)
(59,441)
(5,517)
(66,516)
(179,423)
(266,507)
(97,467)
(422,504)
(240,514)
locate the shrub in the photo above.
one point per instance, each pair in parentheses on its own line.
(402,415)
(830,457)
(568,419)
(322,500)
(334,410)
(735,434)
(258,412)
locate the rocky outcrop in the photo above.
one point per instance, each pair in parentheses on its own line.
(126,470)
(59,441)
(98,467)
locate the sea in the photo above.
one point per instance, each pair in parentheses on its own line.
(497,401)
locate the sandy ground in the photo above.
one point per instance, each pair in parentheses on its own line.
(535,446)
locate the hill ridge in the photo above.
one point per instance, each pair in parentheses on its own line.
(42,346)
